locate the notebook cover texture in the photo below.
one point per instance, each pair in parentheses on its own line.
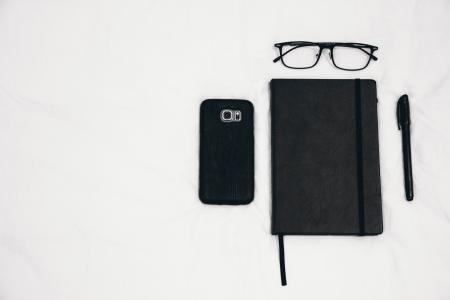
(325,158)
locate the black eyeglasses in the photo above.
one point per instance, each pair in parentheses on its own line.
(345,56)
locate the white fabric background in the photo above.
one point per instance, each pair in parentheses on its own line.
(99,103)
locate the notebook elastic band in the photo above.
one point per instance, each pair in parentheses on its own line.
(359,158)
(281,254)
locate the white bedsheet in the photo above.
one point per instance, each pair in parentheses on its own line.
(99,104)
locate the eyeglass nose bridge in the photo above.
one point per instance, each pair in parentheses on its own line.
(327,45)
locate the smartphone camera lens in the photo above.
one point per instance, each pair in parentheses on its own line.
(230,115)
(227,115)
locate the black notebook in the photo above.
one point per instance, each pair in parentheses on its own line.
(325,160)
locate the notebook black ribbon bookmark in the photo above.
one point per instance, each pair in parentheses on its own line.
(282,264)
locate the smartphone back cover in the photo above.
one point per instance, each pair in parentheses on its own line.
(226,152)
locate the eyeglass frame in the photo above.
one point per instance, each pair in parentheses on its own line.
(325,45)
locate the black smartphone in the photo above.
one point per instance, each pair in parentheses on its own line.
(226,152)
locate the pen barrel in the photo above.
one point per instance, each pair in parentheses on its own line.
(407,165)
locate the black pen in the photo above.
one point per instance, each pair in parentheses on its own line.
(404,121)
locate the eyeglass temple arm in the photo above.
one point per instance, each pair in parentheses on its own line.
(283,54)
(370,54)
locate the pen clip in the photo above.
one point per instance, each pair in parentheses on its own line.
(398,116)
